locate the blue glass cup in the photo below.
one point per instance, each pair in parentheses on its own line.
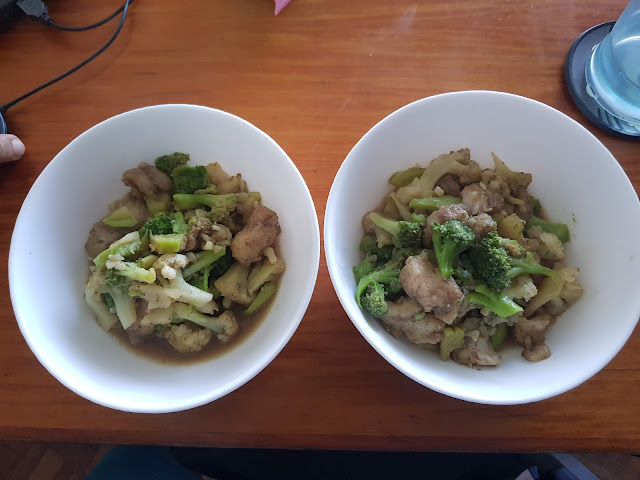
(613,71)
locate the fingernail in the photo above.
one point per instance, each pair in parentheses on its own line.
(18,148)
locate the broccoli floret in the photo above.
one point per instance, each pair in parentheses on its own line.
(188,179)
(119,273)
(560,230)
(369,246)
(404,234)
(390,272)
(220,206)
(164,224)
(128,245)
(160,225)
(393,290)
(450,239)
(463,272)
(492,263)
(433,203)
(267,291)
(498,303)
(374,301)
(167,163)
(400,255)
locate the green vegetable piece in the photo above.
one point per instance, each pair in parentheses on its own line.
(160,225)
(215,292)
(498,338)
(418,218)
(404,234)
(386,274)
(169,243)
(119,277)
(374,300)
(108,301)
(167,163)
(452,340)
(122,217)
(220,205)
(159,203)
(178,223)
(449,240)
(128,245)
(201,279)
(405,177)
(369,246)
(221,265)
(492,263)
(203,259)
(364,268)
(498,303)
(560,230)
(224,324)
(188,179)
(267,291)
(264,272)
(147,262)
(432,204)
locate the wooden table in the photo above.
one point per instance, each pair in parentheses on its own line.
(315,78)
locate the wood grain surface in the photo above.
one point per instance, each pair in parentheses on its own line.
(315,78)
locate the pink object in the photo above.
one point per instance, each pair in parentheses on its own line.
(280,4)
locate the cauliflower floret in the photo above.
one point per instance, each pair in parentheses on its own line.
(563,287)
(169,263)
(221,234)
(457,163)
(521,287)
(156,296)
(550,247)
(187,339)
(115,262)
(105,318)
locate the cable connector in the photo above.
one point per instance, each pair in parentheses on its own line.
(35,10)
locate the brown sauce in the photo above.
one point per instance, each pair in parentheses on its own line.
(156,348)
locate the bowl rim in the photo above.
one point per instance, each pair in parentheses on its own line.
(175,405)
(360,322)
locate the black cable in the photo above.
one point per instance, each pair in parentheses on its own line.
(48,21)
(10,104)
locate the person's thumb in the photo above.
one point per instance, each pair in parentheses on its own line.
(11,148)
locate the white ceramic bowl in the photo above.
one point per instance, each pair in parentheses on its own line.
(48,264)
(579,183)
